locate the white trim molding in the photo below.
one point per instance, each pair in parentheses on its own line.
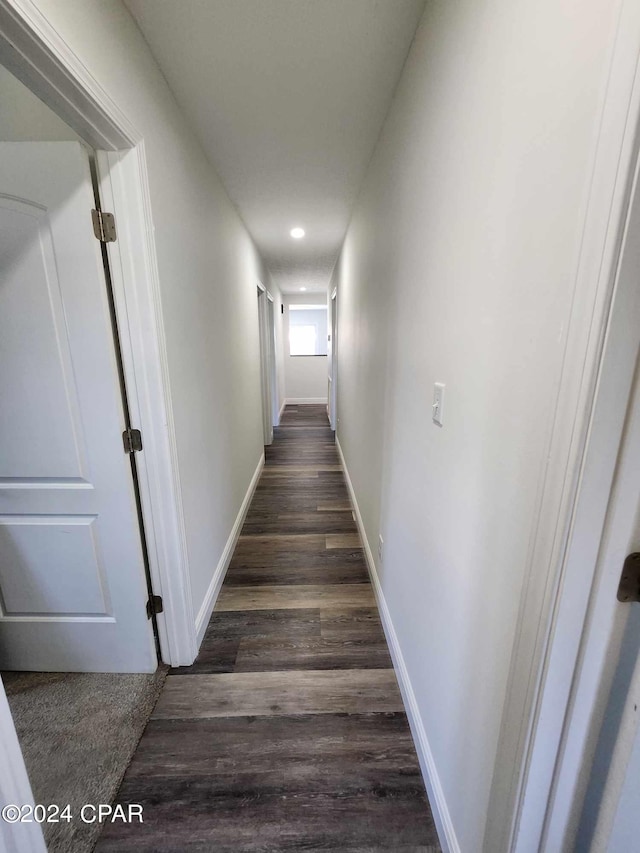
(136,290)
(38,56)
(437,801)
(301,401)
(577,666)
(15,788)
(204,615)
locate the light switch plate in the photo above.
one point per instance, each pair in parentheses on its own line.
(437,409)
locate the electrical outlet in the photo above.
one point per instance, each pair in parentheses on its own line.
(380,547)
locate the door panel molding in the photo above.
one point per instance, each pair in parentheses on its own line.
(64,434)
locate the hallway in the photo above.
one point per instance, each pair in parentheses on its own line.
(288,732)
(423,215)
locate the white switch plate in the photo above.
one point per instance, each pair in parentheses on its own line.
(437,409)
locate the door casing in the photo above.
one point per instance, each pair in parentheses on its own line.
(35,53)
(572,501)
(273,371)
(266,358)
(589,621)
(333,361)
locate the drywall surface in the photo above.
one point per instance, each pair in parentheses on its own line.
(458,267)
(24,118)
(208,268)
(306,377)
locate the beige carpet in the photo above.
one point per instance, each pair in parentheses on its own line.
(78,733)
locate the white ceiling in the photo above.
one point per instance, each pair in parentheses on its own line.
(288,98)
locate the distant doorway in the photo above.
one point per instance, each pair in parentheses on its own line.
(332,351)
(267,360)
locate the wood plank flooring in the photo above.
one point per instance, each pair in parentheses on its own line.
(288,732)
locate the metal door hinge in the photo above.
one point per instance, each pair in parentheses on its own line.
(154,605)
(132,440)
(104,226)
(629,587)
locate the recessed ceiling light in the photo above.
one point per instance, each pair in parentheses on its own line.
(303,288)
(297,233)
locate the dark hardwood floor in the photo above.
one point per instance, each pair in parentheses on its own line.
(288,732)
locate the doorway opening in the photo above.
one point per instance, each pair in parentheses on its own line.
(578,783)
(74,569)
(268,375)
(333,359)
(273,370)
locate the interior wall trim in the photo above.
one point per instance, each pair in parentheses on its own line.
(38,55)
(124,187)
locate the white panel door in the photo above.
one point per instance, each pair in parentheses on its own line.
(72,585)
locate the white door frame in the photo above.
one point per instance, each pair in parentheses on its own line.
(588,620)
(273,371)
(15,789)
(265,362)
(562,554)
(33,50)
(333,373)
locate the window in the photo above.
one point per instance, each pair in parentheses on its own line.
(302,340)
(307,330)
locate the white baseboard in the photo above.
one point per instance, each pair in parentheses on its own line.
(282,408)
(298,401)
(204,614)
(441,815)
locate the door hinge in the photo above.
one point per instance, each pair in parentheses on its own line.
(104,226)
(629,587)
(132,440)
(154,605)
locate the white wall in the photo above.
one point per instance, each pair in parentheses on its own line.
(23,117)
(208,268)
(306,377)
(458,267)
